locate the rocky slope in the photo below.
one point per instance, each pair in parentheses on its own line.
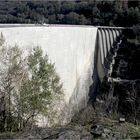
(86,125)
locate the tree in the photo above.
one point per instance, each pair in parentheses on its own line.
(41,86)
(67,7)
(83,20)
(134,101)
(11,73)
(28,86)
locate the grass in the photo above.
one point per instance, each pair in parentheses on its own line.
(134,130)
(7,134)
(129,129)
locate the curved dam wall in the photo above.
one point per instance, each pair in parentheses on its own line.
(107,39)
(81,55)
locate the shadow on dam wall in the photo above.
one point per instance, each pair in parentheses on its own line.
(97,69)
(79,100)
(100,70)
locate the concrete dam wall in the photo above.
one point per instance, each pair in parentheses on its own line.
(107,39)
(79,52)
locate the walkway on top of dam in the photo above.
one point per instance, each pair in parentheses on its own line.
(57,25)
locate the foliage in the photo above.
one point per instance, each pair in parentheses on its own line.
(43,85)
(93,12)
(28,85)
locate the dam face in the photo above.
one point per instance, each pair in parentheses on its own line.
(73,50)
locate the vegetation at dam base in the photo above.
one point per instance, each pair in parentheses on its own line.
(28,86)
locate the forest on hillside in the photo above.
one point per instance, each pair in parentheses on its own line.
(87,12)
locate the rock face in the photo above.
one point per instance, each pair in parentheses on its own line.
(99,128)
(89,124)
(121,90)
(72,133)
(127,61)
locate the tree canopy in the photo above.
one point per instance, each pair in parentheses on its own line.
(90,12)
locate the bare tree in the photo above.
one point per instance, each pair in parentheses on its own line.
(134,101)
